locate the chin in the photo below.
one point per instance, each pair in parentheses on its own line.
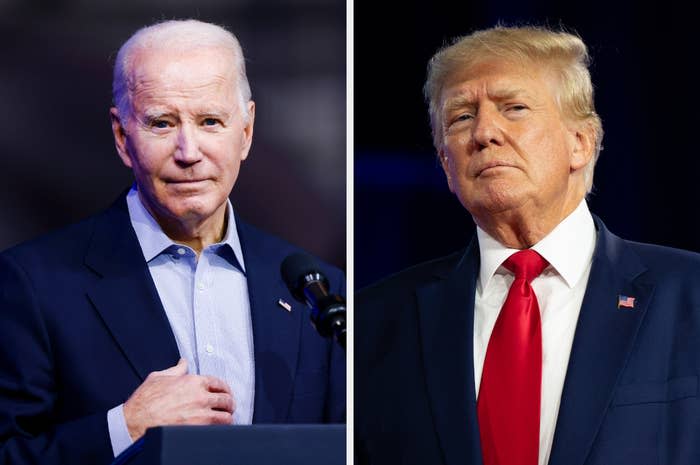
(194,211)
(189,206)
(492,201)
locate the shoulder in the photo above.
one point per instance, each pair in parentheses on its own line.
(262,247)
(402,285)
(667,262)
(69,245)
(665,256)
(68,241)
(673,273)
(657,262)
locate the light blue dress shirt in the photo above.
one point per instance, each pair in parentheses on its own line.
(206,302)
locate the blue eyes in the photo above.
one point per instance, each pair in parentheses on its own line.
(159,124)
(164,124)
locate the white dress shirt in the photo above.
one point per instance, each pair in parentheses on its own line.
(559,289)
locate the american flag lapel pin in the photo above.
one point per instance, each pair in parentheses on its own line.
(625,301)
(284,305)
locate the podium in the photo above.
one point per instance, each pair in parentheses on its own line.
(238,445)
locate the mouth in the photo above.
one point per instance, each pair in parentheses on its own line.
(187,185)
(493,168)
(185,181)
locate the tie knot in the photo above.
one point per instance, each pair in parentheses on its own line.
(526,264)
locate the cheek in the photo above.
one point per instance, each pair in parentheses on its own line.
(149,155)
(225,153)
(548,150)
(456,149)
(460,170)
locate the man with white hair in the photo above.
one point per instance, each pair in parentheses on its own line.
(166,308)
(549,340)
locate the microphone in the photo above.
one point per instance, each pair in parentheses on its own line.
(308,285)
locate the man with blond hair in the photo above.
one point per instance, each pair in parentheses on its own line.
(166,308)
(549,340)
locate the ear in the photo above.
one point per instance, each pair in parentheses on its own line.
(248,130)
(583,137)
(445,163)
(119,133)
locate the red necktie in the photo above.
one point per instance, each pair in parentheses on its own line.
(509,396)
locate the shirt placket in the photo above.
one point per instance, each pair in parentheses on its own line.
(208,350)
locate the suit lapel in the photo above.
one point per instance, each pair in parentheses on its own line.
(125,296)
(275,330)
(602,343)
(446,312)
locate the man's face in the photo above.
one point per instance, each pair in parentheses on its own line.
(186,135)
(506,145)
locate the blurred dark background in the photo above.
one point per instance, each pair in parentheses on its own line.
(644,72)
(59,164)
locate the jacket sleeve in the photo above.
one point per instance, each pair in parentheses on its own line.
(30,432)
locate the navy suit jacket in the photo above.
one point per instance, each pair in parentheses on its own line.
(81,326)
(631,389)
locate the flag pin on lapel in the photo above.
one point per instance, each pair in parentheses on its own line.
(624,301)
(284,305)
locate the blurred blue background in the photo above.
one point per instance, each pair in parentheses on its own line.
(644,58)
(57,156)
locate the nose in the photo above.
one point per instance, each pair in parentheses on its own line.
(487,128)
(187,151)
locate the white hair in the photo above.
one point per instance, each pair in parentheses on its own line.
(180,35)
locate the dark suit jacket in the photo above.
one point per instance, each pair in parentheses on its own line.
(631,389)
(81,326)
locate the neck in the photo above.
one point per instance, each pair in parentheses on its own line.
(525,226)
(194,232)
(198,235)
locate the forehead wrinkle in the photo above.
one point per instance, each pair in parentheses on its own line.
(156,76)
(460,100)
(498,93)
(215,110)
(508,93)
(197,99)
(168,88)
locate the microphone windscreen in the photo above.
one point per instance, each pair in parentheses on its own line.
(295,267)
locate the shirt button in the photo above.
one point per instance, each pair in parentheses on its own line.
(200,286)
(181,251)
(210,349)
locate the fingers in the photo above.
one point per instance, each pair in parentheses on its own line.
(213,384)
(221,402)
(171,396)
(221,397)
(221,418)
(212,417)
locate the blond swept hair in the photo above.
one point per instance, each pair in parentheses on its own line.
(564,53)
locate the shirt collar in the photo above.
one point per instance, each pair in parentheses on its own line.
(154,241)
(568,248)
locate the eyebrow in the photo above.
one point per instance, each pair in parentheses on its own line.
(217,113)
(150,115)
(466,99)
